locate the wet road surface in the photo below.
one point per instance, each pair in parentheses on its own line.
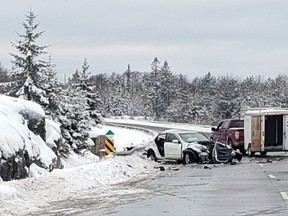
(256,186)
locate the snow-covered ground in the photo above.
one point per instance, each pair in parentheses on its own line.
(22,197)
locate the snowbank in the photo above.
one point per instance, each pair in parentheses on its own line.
(29,195)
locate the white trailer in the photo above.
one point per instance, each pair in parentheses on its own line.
(265,130)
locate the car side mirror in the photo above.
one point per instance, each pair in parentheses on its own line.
(175,141)
(213,129)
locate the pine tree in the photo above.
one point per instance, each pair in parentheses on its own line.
(127,81)
(92,98)
(153,94)
(30,74)
(167,88)
(228,92)
(4,80)
(74,115)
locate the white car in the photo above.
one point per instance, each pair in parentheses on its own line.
(180,145)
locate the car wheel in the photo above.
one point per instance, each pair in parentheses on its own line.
(189,157)
(151,155)
(250,153)
(230,143)
(263,153)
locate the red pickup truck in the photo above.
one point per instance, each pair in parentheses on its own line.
(231,132)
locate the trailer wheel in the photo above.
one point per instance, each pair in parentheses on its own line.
(242,150)
(249,152)
(263,153)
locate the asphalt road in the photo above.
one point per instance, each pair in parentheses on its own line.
(257,186)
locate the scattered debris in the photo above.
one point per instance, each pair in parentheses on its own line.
(207,167)
(161,168)
(173,168)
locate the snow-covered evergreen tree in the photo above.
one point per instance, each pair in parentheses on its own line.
(80,82)
(153,90)
(31,75)
(167,88)
(226,100)
(4,80)
(74,115)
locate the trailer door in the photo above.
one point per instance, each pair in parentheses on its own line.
(256,133)
(285,132)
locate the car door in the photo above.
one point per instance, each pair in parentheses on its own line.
(172,147)
(220,131)
(159,141)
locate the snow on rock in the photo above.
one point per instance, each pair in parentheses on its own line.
(53,133)
(35,171)
(17,105)
(16,135)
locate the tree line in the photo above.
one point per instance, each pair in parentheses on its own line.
(158,94)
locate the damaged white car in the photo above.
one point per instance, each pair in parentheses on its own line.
(178,145)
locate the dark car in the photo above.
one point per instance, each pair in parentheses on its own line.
(230,132)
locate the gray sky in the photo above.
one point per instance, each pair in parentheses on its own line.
(239,37)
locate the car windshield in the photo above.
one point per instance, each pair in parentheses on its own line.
(193,137)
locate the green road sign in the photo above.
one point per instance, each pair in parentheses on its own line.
(110,133)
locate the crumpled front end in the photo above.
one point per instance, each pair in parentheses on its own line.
(204,157)
(203,152)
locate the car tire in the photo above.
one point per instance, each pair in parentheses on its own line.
(230,143)
(151,155)
(249,152)
(189,157)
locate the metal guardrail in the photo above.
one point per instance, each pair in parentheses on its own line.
(131,127)
(125,153)
(129,152)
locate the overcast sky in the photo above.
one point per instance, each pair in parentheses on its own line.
(239,37)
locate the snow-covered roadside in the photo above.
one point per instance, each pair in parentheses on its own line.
(28,195)
(23,197)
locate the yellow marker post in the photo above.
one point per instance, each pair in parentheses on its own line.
(109,143)
(109,146)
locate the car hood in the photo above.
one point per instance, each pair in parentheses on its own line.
(197,147)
